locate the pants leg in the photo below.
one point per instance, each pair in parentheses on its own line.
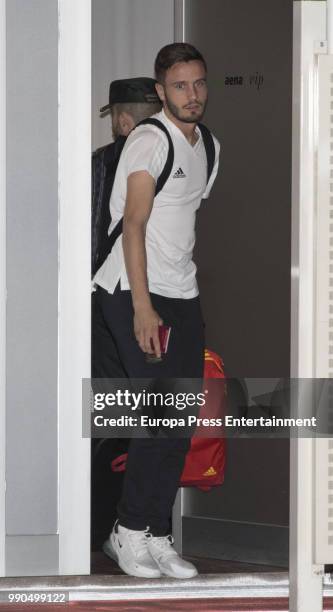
(154,465)
(172,459)
(105,359)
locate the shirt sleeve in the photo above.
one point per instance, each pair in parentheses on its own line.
(215,169)
(147,150)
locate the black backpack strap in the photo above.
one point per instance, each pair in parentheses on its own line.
(210,148)
(117,230)
(162,179)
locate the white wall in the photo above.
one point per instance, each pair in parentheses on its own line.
(126,36)
(32,282)
(32,275)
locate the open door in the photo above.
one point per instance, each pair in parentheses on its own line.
(243,252)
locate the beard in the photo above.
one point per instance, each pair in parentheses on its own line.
(193,115)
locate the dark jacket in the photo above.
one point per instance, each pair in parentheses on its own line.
(104,166)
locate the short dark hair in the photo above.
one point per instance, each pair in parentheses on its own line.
(173,54)
(137,110)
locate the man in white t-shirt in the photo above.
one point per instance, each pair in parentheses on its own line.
(149,279)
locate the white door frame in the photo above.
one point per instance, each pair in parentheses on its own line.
(2,282)
(74,78)
(309,36)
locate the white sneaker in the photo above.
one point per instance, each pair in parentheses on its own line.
(129,549)
(168,560)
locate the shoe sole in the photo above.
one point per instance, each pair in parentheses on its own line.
(171,575)
(110,552)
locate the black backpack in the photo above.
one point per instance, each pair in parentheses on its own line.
(105,163)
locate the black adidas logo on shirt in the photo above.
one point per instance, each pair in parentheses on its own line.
(179,173)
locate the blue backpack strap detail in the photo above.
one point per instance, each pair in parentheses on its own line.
(210,148)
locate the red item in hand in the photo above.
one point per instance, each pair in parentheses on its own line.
(164,335)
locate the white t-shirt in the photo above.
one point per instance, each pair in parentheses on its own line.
(170,231)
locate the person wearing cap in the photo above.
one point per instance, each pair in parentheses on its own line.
(149,278)
(130,101)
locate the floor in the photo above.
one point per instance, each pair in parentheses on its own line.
(101,564)
(201,605)
(225,592)
(105,566)
(109,590)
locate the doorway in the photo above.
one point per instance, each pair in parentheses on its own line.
(243,247)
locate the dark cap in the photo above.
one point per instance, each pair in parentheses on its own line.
(141,89)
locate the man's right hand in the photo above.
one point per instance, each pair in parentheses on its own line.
(146,324)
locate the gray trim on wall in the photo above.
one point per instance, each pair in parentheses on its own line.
(32,555)
(32,267)
(126,37)
(3,288)
(179,20)
(237,541)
